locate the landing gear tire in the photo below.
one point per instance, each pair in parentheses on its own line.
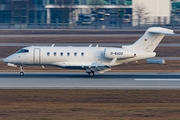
(21,73)
(91,74)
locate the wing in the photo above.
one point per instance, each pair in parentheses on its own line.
(98,67)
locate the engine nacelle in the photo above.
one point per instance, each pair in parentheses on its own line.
(118,53)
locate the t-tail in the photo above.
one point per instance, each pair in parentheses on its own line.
(150,40)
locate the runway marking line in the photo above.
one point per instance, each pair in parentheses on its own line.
(157,79)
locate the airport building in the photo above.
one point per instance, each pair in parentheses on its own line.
(49,12)
(175,17)
(152,11)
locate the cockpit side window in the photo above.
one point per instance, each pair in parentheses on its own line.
(23,51)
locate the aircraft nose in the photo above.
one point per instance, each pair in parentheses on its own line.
(5,60)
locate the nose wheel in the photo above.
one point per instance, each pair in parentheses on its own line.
(22,70)
(21,73)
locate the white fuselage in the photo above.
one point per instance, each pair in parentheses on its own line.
(74,57)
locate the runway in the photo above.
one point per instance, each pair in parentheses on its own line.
(71,80)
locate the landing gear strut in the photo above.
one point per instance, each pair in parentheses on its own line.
(22,70)
(91,73)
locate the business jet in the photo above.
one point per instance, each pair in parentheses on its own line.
(91,59)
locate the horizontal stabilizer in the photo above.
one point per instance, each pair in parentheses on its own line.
(160,30)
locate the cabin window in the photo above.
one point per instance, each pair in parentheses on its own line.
(75,54)
(68,54)
(48,53)
(61,53)
(82,54)
(54,53)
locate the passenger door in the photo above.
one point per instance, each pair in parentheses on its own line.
(36,56)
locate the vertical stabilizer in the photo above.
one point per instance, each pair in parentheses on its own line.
(150,40)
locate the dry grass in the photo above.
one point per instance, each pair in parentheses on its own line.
(90,104)
(68,39)
(82,39)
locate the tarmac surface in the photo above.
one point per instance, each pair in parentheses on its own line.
(75,35)
(72,80)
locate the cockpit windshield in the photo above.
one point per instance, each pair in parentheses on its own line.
(23,51)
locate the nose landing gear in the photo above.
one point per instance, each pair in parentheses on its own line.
(22,70)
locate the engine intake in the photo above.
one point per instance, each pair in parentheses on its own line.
(118,53)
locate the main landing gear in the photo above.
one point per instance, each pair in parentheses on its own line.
(91,73)
(21,70)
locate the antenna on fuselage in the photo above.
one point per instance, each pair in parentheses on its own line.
(90,45)
(52,45)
